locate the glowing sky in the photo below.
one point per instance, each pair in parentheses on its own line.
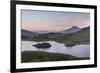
(33,20)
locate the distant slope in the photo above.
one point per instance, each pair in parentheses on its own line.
(27,35)
(30,34)
(51,35)
(71,30)
(81,36)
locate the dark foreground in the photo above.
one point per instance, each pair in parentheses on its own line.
(39,56)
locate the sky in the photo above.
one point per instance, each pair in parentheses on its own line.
(35,20)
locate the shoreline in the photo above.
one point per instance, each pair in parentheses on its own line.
(40,56)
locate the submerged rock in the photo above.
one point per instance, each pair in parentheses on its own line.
(42,45)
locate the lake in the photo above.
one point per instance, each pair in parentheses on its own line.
(82,50)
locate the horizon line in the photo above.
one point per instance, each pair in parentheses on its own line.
(54,31)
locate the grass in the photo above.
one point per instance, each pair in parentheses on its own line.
(39,56)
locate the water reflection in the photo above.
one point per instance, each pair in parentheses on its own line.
(82,50)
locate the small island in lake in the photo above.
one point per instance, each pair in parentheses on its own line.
(42,45)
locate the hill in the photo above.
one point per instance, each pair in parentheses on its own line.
(39,56)
(71,30)
(80,37)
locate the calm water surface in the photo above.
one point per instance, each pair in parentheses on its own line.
(82,50)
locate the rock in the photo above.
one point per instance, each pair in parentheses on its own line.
(70,45)
(42,45)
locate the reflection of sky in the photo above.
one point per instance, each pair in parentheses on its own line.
(53,20)
(82,50)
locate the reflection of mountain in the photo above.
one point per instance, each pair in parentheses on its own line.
(72,35)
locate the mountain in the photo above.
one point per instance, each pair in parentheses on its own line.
(79,37)
(58,34)
(71,30)
(27,33)
(71,36)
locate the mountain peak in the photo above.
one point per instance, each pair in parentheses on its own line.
(71,30)
(74,27)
